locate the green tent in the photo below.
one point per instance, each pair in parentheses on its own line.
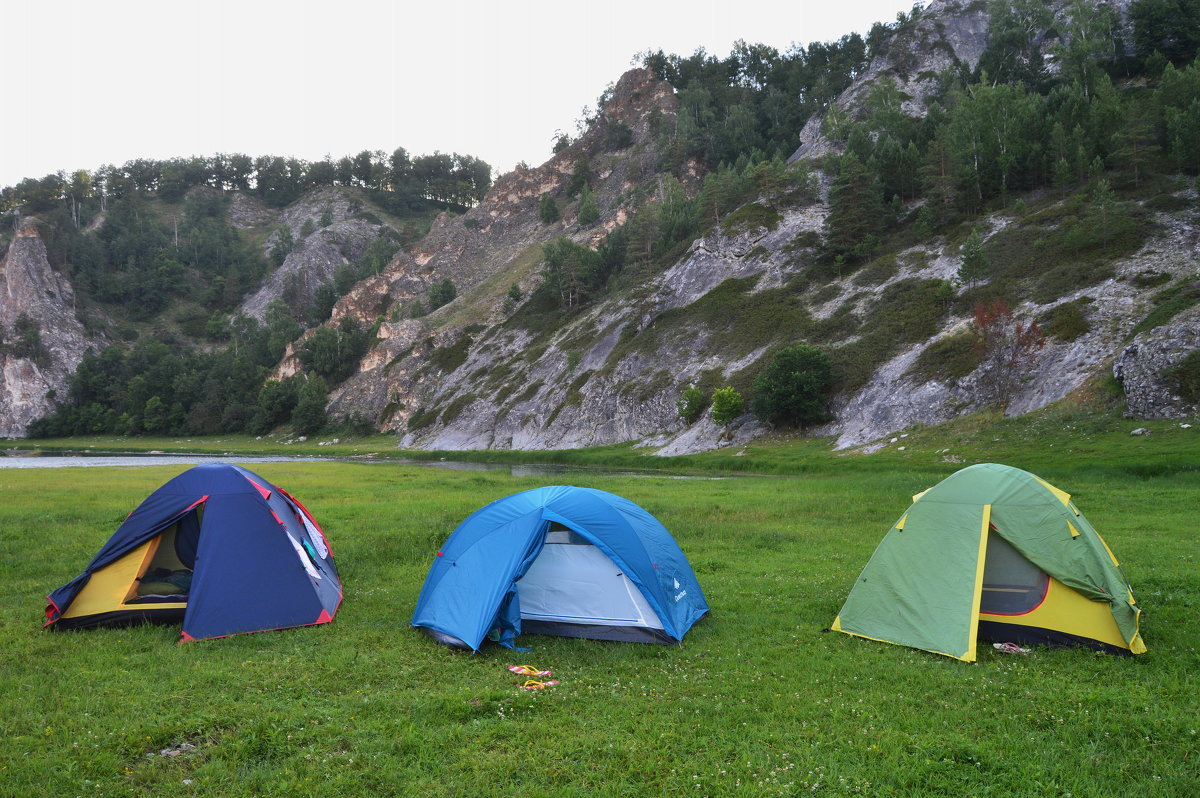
(992,553)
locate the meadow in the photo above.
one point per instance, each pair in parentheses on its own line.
(758,700)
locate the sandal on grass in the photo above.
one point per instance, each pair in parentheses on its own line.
(527,670)
(533,684)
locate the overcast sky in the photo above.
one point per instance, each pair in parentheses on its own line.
(91,82)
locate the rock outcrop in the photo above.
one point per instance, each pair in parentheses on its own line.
(43,341)
(318,251)
(1144,368)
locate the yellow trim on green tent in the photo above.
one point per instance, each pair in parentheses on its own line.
(1111,556)
(900,523)
(980,559)
(837,627)
(919,495)
(1064,609)
(1074,531)
(1061,495)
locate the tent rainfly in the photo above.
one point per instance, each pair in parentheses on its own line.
(993,553)
(559,560)
(217,548)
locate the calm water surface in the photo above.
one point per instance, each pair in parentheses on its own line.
(15,458)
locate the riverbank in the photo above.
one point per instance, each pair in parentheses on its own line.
(1053,440)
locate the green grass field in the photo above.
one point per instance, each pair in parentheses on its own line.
(757,701)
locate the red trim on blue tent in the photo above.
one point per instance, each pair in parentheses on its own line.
(266,494)
(185,637)
(308,515)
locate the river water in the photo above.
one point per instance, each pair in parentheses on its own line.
(15,458)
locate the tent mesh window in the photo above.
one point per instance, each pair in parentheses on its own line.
(1012,585)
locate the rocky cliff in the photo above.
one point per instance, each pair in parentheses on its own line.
(468,376)
(43,341)
(329,228)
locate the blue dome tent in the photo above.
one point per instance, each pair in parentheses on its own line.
(217,548)
(560,560)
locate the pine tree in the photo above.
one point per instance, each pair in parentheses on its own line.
(974,266)
(856,210)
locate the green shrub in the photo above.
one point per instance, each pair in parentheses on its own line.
(949,358)
(548,210)
(691,403)
(449,358)
(421,419)
(455,408)
(1065,322)
(793,389)
(1149,279)
(1185,377)
(749,217)
(878,271)
(727,405)
(1169,304)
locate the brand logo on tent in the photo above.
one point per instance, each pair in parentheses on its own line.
(676,584)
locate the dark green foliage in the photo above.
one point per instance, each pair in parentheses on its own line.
(276,401)
(309,415)
(573,274)
(617,136)
(589,213)
(1013,53)
(878,271)
(202,393)
(749,217)
(441,293)
(756,98)
(856,215)
(1066,247)
(26,341)
(691,403)
(449,358)
(908,311)
(1149,279)
(1168,304)
(793,390)
(727,405)
(284,244)
(1170,28)
(421,419)
(1066,322)
(974,265)
(949,358)
(548,210)
(455,408)
(1185,377)
(333,354)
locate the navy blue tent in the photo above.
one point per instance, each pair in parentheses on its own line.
(220,549)
(562,560)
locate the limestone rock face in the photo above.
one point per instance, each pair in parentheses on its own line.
(29,287)
(948,33)
(1144,367)
(315,258)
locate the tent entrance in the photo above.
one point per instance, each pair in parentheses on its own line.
(1012,585)
(573,589)
(148,584)
(1021,603)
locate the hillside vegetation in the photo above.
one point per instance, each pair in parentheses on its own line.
(968,219)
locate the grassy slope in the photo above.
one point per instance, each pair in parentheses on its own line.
(757,700)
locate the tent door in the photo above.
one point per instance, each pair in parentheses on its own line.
(573,582)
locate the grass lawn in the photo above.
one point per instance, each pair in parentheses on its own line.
(757,701)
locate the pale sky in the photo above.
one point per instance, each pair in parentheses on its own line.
(90,82)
